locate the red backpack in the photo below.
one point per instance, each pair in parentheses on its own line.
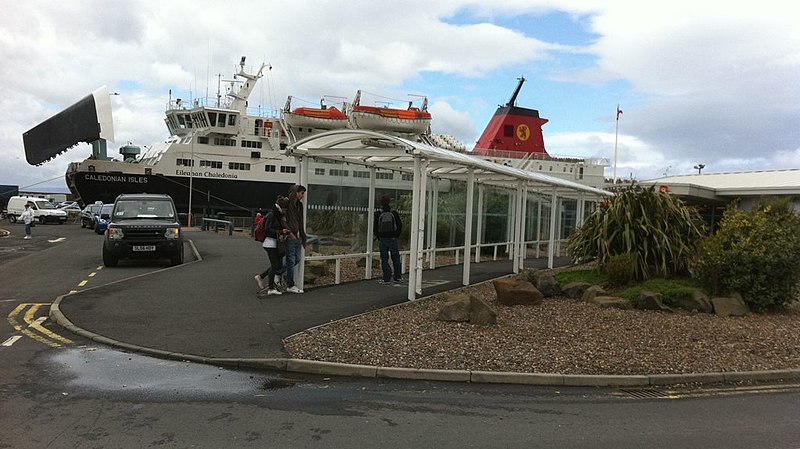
(261,230)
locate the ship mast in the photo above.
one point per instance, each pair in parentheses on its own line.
(513,99)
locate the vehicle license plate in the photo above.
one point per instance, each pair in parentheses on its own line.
(144,248)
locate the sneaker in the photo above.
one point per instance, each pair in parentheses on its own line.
(399,281)
(382,282)
(273,291)
(277,279)
(258,279)
(27,237)
(294,289)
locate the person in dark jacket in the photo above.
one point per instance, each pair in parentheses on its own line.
(387,229)
(276,231)
(297,237)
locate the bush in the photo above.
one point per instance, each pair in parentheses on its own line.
(660,233)
(590,276)
(755,253)
(619,269)
(671,289)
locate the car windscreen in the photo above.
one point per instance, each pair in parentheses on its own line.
(154,209)
(45,205)
(106,209)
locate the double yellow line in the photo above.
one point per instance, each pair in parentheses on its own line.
(44,335)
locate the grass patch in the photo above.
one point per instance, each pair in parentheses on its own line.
(590,276)
(671,289)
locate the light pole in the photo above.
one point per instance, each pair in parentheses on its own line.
(699,168)
(191,178)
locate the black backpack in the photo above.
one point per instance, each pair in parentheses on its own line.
(386,224)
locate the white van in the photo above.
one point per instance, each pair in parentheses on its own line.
(43,210)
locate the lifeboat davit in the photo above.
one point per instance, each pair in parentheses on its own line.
(323,117)
(412,120)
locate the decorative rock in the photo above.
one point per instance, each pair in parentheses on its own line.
(481,313)
(512,292)
(611,302)
(575,290)
(698,301)
(731,306)
(652,301)
(547,284)
(591,292)
(456,308)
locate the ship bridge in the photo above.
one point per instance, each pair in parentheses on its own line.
(428,164)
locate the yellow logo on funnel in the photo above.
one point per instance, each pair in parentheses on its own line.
(523,132)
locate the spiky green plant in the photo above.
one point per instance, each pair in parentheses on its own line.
(656,228)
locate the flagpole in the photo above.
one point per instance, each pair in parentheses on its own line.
(616,141)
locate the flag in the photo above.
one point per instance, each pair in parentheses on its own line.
(619,111)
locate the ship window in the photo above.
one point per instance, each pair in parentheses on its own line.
(202,139)
(565,169)
(580,172)
(222,120)
(319,171)
(238,166)
(250,144)
(212,118)
(360,174)
(337,172)
(211,164)
(285,169)
(508,130)
(384,175)
(408,177)
(185,162)
(551,168)
(181,122)
(231,120)
(148,171)
(540,167)
(269,168)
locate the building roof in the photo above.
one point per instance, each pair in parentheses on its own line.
(724,186)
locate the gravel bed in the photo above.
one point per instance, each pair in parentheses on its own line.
(559,336)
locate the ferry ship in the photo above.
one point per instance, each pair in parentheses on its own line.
(232,158)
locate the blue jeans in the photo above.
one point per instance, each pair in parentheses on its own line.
(293,253)
(390,246)
(27,229)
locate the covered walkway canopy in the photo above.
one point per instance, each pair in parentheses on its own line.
(383,151)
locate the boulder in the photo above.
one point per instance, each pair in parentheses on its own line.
(652,301)
(547,284)
(481,313)
(575,290)
(697,301)
(591,292)
(512,292)
(730,306)
(456,308)
(611,302)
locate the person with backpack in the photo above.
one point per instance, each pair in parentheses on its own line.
(387,229)
(272,230)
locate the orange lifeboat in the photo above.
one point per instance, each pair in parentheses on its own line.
(323,117)
(412,120)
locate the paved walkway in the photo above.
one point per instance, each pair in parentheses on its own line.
(208,311)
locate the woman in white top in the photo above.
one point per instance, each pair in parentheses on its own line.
(27,217)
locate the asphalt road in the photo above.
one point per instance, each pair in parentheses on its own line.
(84,395)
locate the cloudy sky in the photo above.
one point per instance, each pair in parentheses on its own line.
(699,82)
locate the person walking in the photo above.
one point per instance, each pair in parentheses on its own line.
(296,239)
(388,226)
(27,217)
(274,224)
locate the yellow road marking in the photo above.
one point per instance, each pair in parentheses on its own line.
(12,320)
(36,324)
(82,283)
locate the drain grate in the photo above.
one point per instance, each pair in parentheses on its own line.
(645,393)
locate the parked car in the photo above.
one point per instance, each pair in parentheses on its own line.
(43,210)
(69,206)
(87,215)
(143,226)
(102,217)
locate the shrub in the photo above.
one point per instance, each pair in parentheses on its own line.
(619,269)
(671,289)
(590,276)
(660,233)
(755,253)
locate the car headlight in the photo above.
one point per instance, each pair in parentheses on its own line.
(115,233)
(172,233)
